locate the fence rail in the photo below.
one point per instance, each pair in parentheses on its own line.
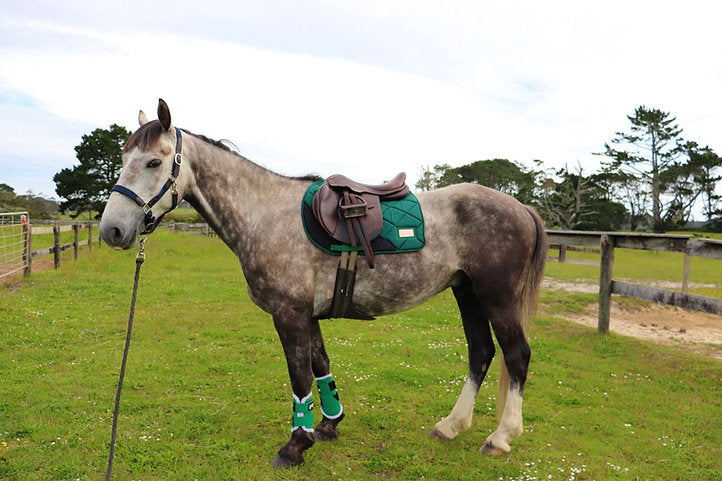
(16,235)
(608,241)
(200,228)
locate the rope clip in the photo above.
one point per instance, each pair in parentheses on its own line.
(141,249)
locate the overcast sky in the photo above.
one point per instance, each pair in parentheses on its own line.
(365,88)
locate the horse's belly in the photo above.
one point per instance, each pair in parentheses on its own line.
(400,284)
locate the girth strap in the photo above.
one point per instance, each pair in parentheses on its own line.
(342,303)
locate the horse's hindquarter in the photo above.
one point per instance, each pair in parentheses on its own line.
(469,228)
(497,236)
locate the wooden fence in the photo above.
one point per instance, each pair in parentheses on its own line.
(26,254)
(201,228)
(608,241)
(564,248)
(57,248)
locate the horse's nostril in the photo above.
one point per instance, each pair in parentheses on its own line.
(111,234)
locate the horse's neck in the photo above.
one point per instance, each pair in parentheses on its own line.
(234,195)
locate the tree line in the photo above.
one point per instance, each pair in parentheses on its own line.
(650,178)
(36,205)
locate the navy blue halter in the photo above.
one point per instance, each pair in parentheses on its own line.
(151,222)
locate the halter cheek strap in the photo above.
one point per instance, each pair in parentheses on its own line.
(151,222)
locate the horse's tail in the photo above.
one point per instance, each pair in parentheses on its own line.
(529,297)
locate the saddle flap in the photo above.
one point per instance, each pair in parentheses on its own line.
(328,208)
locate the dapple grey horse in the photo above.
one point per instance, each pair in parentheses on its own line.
(486,246)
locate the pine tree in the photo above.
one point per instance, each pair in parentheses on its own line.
(86,187)
(647,151)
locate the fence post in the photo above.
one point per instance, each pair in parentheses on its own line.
(90,237)
(28,249)
(56,245)
(76,229)
(562,253)
(606,244)
(685,274)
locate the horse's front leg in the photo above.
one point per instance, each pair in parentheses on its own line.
(295,334)
(331,407)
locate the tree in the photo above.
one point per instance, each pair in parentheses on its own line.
(86,186)
(570,200)
(564,204)
(429,178)
(500,174)
(7,199)
(607,213)
(37,206)
(627,190)
(707,169)
(648,150)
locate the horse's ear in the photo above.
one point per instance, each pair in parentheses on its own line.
(164,114)
(142,118)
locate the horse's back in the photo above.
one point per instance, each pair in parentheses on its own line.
(473,208)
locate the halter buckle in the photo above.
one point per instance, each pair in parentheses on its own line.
(149,226)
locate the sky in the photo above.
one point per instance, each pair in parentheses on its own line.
(364,88)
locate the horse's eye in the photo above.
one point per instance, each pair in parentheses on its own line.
(154,164)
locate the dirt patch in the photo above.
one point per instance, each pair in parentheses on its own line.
(14,281)
(697,331)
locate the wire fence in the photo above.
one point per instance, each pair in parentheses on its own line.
(13,242)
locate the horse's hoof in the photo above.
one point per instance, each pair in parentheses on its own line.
(438,435)
(327,429)
(491,450)
(279,462)
(319,435)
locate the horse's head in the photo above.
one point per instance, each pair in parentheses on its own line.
(149,185)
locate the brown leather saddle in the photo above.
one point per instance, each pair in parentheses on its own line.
(351,211)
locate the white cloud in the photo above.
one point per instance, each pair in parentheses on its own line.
(329,113)
(407,83)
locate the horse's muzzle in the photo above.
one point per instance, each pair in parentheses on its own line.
(116,236)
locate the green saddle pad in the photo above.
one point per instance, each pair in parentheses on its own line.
(403,228)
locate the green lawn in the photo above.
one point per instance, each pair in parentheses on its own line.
(42,241)
(644,267)
(207,394)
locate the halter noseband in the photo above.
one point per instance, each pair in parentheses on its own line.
(150,220)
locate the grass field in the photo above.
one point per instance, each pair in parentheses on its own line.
(207,394)
(644,267)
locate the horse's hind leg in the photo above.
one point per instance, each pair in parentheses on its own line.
(481,352)
(331,407)
(512,340)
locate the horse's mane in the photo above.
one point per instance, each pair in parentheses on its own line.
(144,137)
(148,133)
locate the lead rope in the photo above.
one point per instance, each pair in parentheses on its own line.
(138,262)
